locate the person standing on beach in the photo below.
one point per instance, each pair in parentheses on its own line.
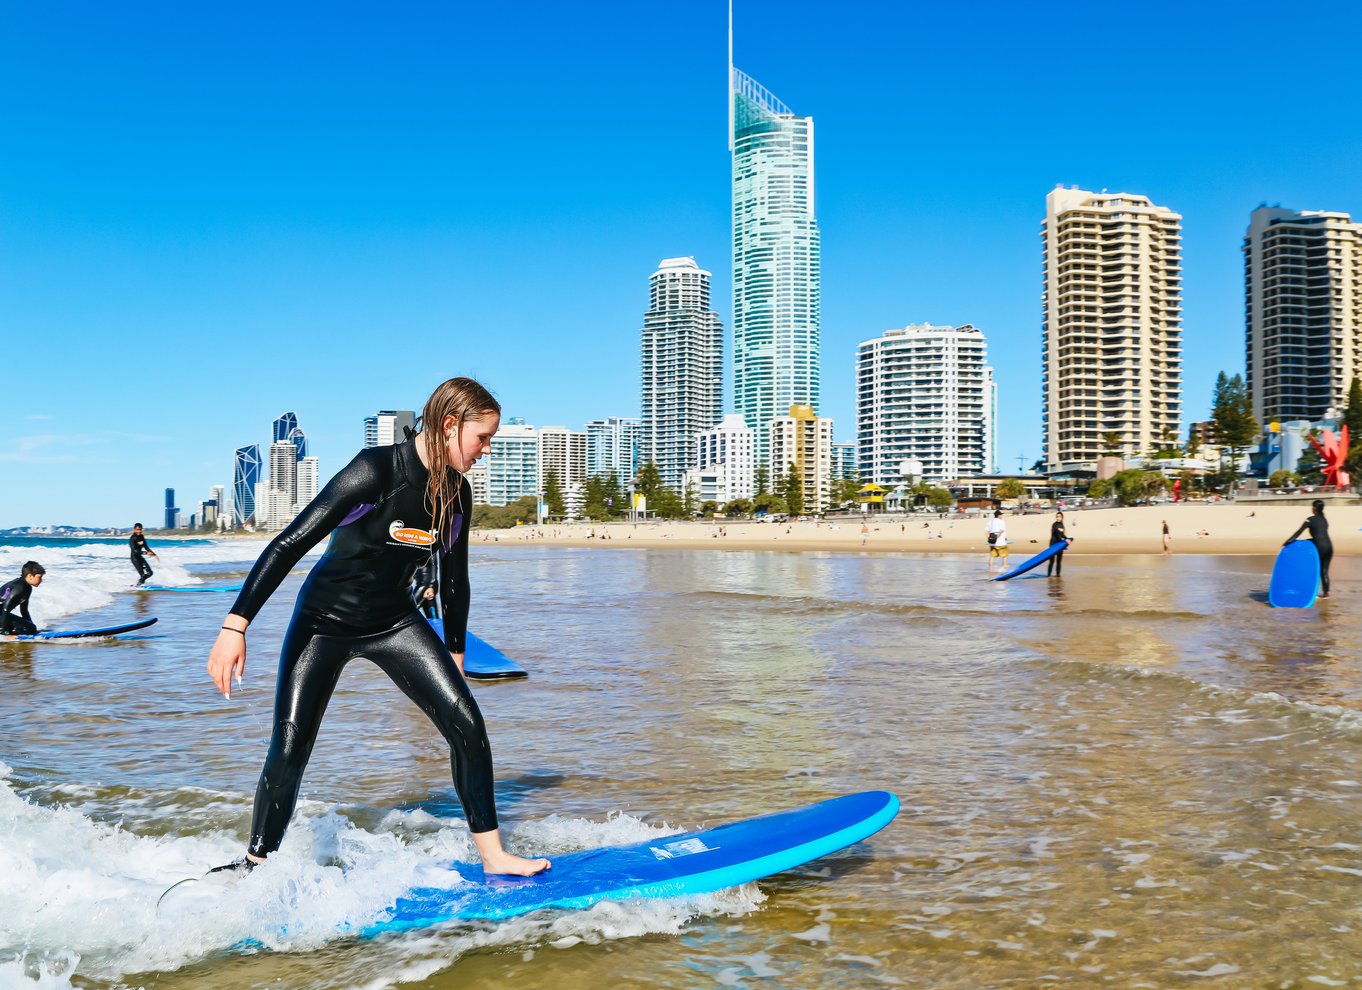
(137,543)
(1055,564)
(997,539)
(388,511)
(1167,537)
(14,596)
(1319,535)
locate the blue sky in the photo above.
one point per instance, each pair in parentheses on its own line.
(211,214)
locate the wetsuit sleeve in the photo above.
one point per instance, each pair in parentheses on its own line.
(1304,526)
(360,481)
(8,600)
(455,594)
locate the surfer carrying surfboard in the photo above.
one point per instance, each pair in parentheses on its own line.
(1319,535)
(389,511)
(15,595)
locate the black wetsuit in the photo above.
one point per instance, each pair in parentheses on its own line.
(426,577)
(137,543)
(14,596)
(1056,563)
(1319,535)
(357,602)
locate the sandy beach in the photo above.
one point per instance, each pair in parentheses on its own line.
(1224,528)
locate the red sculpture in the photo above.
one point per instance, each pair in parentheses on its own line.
(1334,451)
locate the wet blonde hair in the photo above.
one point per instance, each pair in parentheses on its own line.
(464,399)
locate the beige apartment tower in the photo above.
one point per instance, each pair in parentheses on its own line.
(1302,312)
(1112,331)
(803,440)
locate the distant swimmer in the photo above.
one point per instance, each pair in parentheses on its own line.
(388,512)
(14,598)
(1055,564)
(1319,534)
(137,543)
(997,539)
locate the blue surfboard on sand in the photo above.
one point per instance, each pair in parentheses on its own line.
(1035,561)
(81,633)
(207,589)
(1295,576)
(481,660)
(672,866)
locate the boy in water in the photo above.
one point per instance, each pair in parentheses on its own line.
(137,543)
(14,597)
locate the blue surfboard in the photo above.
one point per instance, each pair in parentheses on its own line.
(481,660)
(81,633)
(1035,561)
(190,588)
(672,866)
(1295,576)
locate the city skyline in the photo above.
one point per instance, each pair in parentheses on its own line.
(168,222)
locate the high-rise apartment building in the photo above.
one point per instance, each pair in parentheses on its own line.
(1112,330)
(308,484)
(299,440)
(282,485)
(803,439)
(612,447)
(562,451)
(732,446)
(245,478)
(844,461)
(776,257)
(925,393)
(1302,312)
(388,426)
(513,464)
(683,367)
(477,480)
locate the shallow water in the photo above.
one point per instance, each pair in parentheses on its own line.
(1137,776)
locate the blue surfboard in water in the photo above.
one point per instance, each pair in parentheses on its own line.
(1295,576)
(1035,561)
(481,660)
(207,589)
(671,866)
(81,633)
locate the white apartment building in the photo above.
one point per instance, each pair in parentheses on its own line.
(612,447)
(844,461)
(803,439)
(477,480)
(1302,312)
(710,484)
(731,445)
(513,464)
(563,451)
(1112,331)
(925,393)
(307,480)
(388,426)
(682,364)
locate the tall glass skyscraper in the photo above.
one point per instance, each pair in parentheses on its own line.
(299,440)
(284,425)
(245,476)
(775,257)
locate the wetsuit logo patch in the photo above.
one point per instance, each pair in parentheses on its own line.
(410,535)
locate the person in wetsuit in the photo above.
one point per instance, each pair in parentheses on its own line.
(425,589)
(14,599)
(388,512)
(1319,534)
(137,543)
(1055,564)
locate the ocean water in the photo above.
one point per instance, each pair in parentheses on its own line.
(1138,775)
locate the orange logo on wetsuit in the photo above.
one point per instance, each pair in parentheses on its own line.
(410,535)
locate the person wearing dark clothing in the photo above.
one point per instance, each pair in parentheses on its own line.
(137,543)
(390,511)
(1055,565)
(1319,535)
(14,617)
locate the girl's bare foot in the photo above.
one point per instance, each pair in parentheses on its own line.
(517,866)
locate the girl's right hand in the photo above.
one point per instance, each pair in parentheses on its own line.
(227,659)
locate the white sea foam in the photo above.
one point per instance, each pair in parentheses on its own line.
(78,897)
(91,576)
